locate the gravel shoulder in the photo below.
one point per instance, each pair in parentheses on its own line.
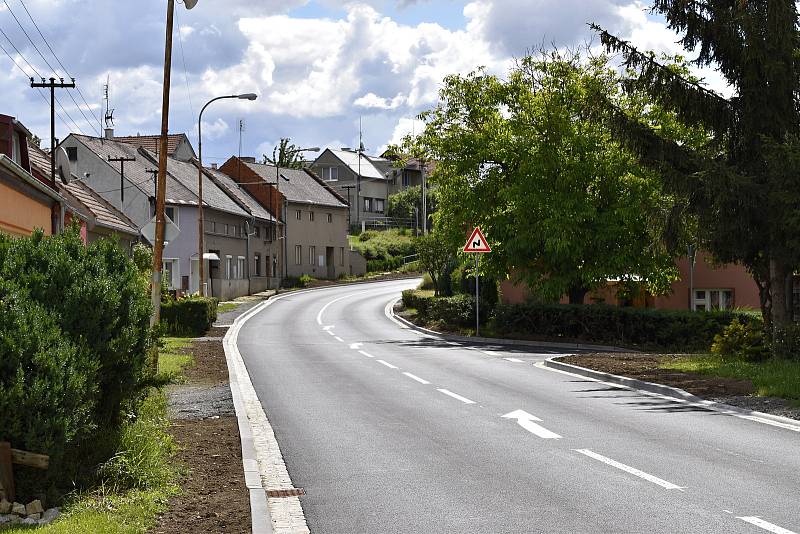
(740,393)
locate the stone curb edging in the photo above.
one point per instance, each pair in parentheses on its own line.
(510,342)
(673,393)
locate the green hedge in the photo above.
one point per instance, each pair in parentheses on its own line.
(74,341)
(458,310)
(191,316)
(611,325)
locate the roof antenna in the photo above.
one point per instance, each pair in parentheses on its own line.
(109,114)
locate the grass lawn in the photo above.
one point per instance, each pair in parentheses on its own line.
(172,359)
(226,307)
(139,481)
(771,378)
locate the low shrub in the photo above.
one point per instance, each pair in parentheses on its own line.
(684,331)
(191,316)
(458,310)
(786,344)
(384,265)
(305,280)
(745,341)
(426,283)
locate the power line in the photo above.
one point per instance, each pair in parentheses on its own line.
(88,107)
(185,71)
(55,71)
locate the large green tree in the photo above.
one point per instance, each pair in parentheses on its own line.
(286,155)
(565,206)
(744,187)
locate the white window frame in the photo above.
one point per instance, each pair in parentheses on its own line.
(229,266)
(367,205)
(312,255)
(298,254)
(705,302)
(380,205)
(330,174)
(298,214)
(257,263)
(176,272)
(241,266)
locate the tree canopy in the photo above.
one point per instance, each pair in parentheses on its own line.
(286,155)
(744,187)
(565,206)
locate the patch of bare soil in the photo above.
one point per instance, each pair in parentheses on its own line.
(214,497)
(646,367)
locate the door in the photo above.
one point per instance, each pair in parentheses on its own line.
(330,262)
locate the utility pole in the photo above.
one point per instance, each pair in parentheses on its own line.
(161,187)
(52,84)
(121,162)
(348,188)
(424,197)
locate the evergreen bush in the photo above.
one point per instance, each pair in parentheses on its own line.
(191,316)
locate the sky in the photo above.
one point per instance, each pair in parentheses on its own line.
(320,67)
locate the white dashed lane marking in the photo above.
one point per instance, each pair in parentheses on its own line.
(514,360)
(387,364)
(628,469)
(337,338)
(456,396)
(766,525)
(418,379)
(367,354)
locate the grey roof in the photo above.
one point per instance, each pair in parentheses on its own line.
(370,165)
(234,190)
(302,185)
(104,214)
(186,174)
(136,171)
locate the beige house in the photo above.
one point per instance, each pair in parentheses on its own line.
(314,230)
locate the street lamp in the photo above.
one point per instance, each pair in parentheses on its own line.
(201,219)
(282,214)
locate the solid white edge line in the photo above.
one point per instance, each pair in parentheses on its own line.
(707,405)
(337,338)
(766,525)
(514,360)
(418,379)
(387,364)
(456,396)
(628,469)
(367,354)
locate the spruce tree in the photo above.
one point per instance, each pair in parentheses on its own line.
(744,186)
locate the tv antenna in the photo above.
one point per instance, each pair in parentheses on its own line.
(109,114)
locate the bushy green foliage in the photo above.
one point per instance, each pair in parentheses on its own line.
(744,340)
(786,344)
(191,316)
(401,204)
(462,281)
(305,280)
(437,258)
(426,283)
(458,310)
(91,305)
(382,266)
(612,325)
(374,245)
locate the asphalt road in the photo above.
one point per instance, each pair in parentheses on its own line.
(402,433)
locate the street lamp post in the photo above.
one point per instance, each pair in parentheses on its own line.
(201,219)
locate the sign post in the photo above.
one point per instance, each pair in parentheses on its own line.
(478,245)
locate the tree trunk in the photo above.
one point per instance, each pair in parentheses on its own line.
(764,298)
(778,275)
(577,294)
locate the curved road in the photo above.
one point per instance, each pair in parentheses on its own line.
(388,430)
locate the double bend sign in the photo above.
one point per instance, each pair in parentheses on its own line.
(477,243)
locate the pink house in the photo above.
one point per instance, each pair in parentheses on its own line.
(714,287)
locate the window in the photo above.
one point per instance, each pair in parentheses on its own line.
(172,213)
(224,229)
(330,174)
(257,263)
(712,299)
(311,216)
(367,204)
(16,149)
(298,255)
(312,255)
(72,153)
(330,218)
(406,179)
(379,202)
(257,230)
(229,268)
(170,273)
(341,256)
(298,215)
(240,268)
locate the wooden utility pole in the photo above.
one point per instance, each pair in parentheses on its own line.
(161,188)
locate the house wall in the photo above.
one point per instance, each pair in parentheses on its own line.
(320,234)
(184,152)
(21,212)
(706,276)
(370,188)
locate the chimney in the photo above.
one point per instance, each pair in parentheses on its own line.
(109,133)
(214,166)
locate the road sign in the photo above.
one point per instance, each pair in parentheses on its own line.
(477,243)
(171,230)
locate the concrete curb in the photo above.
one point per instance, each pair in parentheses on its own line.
(508,342)
(673,393)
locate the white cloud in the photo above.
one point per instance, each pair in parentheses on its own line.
(373,101)
(215,130)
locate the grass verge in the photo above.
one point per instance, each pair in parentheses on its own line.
(771,378)
(227,306)
(173,358)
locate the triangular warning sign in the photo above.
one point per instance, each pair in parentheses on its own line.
(477,243)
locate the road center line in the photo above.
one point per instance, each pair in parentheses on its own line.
(367,354)
(628,469)
(331,332)
(514,360)
(456,396)
(766,525)
(325,307)
(337,338)
(387,364)
(418,379)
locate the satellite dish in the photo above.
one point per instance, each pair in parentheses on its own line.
(190,3)
(63,165)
